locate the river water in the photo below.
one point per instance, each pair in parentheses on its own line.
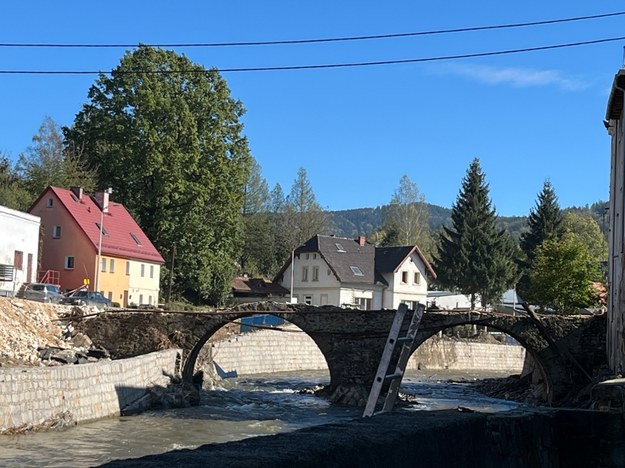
(240,408)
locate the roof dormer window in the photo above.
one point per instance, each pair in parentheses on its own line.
(339,248)
(104,231)
(356,271)
(135,238)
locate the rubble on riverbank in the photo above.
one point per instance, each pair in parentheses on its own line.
(35,334)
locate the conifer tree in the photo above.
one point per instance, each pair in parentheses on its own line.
(544,222)
(473,256)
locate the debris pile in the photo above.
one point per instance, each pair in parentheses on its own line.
(34,334)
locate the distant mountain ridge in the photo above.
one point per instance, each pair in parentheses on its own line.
(366,221)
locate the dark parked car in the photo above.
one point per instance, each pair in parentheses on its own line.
(42,292)
(89,298)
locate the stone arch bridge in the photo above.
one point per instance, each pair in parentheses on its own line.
(566,349)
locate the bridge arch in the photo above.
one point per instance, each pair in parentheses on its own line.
(194,354)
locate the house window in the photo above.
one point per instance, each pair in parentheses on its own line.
(356,271)
(151,271)
(18,260)
(329,272)
(314,256)
(50,203)
(142,270)
(340,248)
(307,256)
(308,300)
(305,273)
(417,278)
(112,266)
(104,231)
(404,277)
(315,273)
(69,263)
(135,238)
(110,295)
(140,299)
(103,265)
(362,303)
(128,268)
(56,232)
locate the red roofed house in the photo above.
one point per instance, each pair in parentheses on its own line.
(129,265)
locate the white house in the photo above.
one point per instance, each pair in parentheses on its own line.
(19,246)
(329,270)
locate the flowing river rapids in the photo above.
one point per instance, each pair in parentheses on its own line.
(240,408)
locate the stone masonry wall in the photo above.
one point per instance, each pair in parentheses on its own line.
(268,351)
(32,396)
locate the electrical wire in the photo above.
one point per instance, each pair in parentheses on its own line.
(319,66)
(323,40)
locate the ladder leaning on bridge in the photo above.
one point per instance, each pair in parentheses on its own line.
(382,375)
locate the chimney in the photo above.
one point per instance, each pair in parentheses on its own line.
(361,240)
(102,199)
(77,191)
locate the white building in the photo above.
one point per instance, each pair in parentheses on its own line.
(328,270)
(19,245)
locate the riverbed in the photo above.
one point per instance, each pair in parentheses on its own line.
(235,409)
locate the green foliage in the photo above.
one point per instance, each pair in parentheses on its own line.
(305,217)
(12,192)
(169,142)
(406,218)
(562,275)
(473,256)
(256,252)
(588,231)
(544,222)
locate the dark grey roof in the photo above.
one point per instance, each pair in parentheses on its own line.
(387,259)
(341,254)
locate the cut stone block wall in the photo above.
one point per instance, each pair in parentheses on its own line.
(36,395)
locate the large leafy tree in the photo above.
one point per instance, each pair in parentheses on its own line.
(544,222)
(166,135)
(473,256)
(586,228)
(562,275)
(406,217)
(48,161)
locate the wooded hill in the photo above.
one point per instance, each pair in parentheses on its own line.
(359,221)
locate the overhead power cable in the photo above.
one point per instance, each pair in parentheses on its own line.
(322,40)
(320,66)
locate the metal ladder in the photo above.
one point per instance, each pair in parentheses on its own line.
(382,374)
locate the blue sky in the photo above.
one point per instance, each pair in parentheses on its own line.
(527,116)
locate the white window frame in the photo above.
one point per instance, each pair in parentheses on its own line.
(143,270)
(304,274)
(103,265)
(66,263)
(151,272)
(112,265)
(128,268)
(315,273)
(56,232)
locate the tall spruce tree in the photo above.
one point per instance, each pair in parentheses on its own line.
(473,256)
(307,216)
(544,222)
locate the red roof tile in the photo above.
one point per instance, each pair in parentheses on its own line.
(118,224)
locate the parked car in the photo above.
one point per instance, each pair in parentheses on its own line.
(89,298)
(41,292)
